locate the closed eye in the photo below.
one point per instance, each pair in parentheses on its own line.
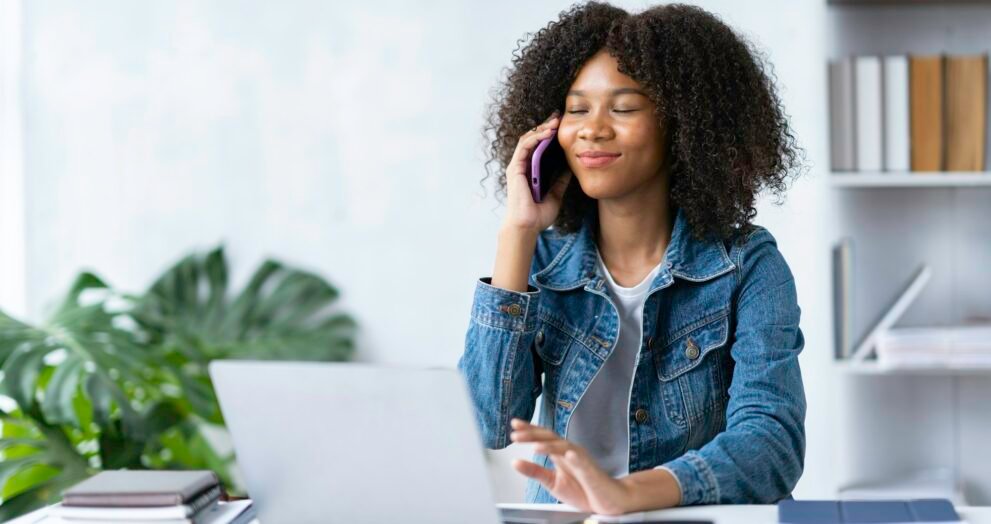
(617,110)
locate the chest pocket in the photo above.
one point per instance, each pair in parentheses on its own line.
(692,369)
(551,342)
(690,347)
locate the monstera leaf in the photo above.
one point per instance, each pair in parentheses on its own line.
(280,314)
(120,381)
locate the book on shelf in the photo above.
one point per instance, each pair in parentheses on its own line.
(841,115)
(867,112)
(935,347)
(843,298)
(896,136)
(926,113)
(966,111)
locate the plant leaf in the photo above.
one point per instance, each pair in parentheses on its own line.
(57,405)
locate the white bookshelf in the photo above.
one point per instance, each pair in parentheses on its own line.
(900,419)
(873,367)
(844,179)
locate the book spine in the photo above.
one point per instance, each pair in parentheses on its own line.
(926,113)
(867,78)
(842,298)
(841,112)
(966,112)
(183,495)
(896,109)
(149,499)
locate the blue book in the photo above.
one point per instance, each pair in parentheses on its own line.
(875,511)
(865,511)
(933,510)
(809,511)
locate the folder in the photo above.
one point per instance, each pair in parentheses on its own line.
(865,511)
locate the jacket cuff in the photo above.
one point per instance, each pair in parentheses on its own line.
(503,308)
(696,479)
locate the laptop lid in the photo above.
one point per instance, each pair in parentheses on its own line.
(347,442)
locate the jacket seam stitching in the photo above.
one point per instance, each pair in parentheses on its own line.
(554,261)
(507,380)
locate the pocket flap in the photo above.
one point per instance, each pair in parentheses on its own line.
(690,349)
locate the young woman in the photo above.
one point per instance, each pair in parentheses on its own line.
(660,326)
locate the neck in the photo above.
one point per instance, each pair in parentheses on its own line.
(634,230)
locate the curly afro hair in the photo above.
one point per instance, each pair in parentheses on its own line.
(729,137)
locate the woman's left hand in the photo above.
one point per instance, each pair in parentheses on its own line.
(576,479)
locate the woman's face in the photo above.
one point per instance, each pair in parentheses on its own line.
(608,111)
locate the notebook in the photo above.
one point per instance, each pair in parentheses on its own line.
(139,488)
(194,506)
(865,511)
(235,512)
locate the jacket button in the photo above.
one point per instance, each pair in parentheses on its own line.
(540,337)
(641,416)
(691,349)
(514,309)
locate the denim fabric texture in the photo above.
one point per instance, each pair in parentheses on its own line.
(717,396)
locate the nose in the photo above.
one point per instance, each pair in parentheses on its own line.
(596,127)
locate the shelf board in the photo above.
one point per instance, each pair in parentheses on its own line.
(894,3)
(871,367)
(845,179)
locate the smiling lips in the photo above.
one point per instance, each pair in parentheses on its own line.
(597,158)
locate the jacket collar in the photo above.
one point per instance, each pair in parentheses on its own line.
(685,257)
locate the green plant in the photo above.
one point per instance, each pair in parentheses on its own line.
(113,380)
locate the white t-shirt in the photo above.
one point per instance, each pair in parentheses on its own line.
(601,420)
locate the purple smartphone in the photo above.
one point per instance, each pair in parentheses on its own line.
(538,189)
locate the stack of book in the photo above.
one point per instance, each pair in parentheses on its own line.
(149,497)
(908,113)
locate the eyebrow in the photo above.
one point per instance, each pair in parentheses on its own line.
(620,91)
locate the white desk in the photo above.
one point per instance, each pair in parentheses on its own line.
(746,514)
(725,514)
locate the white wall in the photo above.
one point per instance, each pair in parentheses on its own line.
(340,137)
(12,228)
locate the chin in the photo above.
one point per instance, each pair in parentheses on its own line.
(599,187)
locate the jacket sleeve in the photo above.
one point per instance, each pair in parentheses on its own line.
(759,457)
(499,365)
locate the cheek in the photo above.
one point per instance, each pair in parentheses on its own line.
(646,139)
(566,135)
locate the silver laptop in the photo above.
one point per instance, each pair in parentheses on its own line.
(345,442)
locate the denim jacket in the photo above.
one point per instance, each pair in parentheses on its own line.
(717,395)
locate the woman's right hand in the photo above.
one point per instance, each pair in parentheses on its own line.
(521,211)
